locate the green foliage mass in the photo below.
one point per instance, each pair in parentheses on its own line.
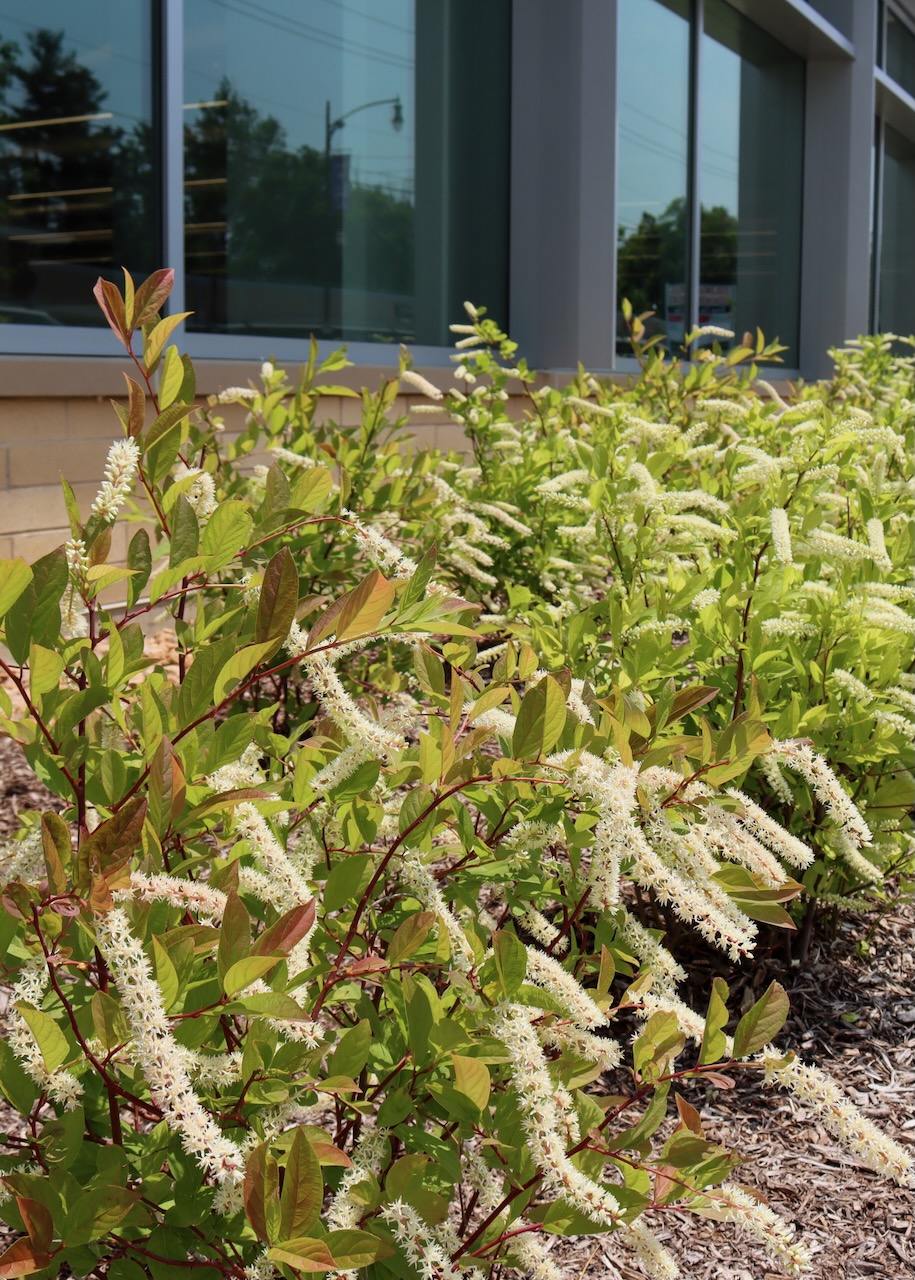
(331,959)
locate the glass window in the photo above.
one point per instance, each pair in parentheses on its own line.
(838,12)
(900,52)
(896,309)
(652,161)
(346,166)
(78,191)
(750,178)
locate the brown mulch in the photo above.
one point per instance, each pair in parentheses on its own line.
(853,1012)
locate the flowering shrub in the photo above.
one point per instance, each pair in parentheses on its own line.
(691,524)
(332,959)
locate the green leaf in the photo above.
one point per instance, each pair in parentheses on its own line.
(51,1041)
(311,489)
(15,1085)
(261,1190)
(419,581)
(58,851)
(346,881)
(243,972)
(35,613)
(714,1042)
(303,1189)
(760,1024)
(234,934)
(410,936)
(354,1249)
(240,666)
(277,496)
(541,720)
(166,975)
(165,423)
(108,1020)
(171,376)
(139,559)
(272,1004)
(352,1051)
(156,338)
(511,961)
(306,1254)
(222,802)
(226,532)
(96,1213)
(185,533)
(45,668)
(279,597)
(15,576)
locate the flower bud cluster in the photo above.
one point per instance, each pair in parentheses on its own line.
(781,535)
(120,469)
(798,755)
(770,832)
(159,1056)
(420,881)
(757,1220)
(542,1122)
(655,1260)
(549,974)
(416,1240)
(201,493)
(22,859)
(342,709)
(61,1085)
(841,1117)
(541,929)
(252,826)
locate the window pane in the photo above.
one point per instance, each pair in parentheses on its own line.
(750,179)
(345,166)
(77,187)
(653,111)
(897,262)
(838,12)
(900,52)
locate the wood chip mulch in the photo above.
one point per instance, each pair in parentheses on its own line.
(853,1013)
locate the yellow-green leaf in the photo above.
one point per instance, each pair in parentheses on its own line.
(15,576)
(51,1041)
(472,1079)
(243,972)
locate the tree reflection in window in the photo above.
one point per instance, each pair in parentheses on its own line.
(76,185)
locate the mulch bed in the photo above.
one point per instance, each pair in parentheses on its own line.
(853,1014)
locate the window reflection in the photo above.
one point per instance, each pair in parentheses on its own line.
(653,108)
(307,210)
(750,178)
(77,189)
(900,52)
(897,262)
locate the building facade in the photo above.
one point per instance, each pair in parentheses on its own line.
(354,170)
